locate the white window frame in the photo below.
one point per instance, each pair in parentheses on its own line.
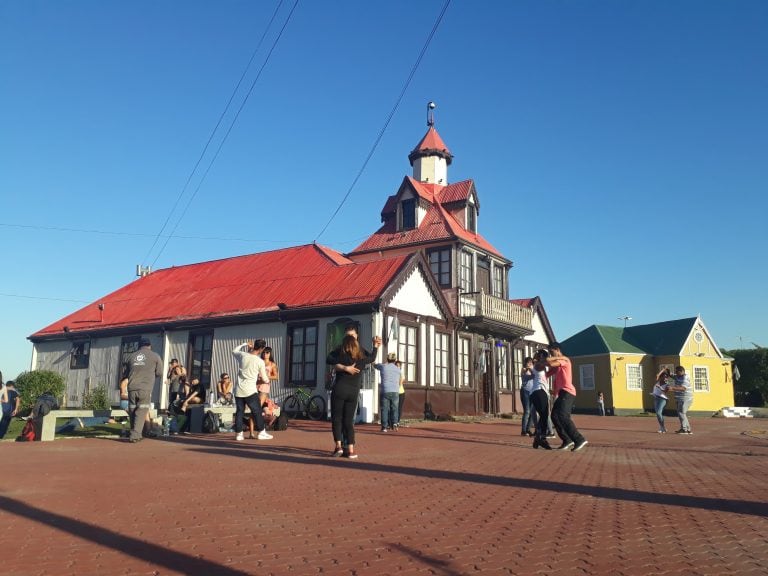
(697,387)
(497,281)
(634,383)
(466,271)
(408,351)
(464,356)
(584,378)
(442,351)
(518,356)
(503,366)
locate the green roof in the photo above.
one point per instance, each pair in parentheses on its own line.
(659,339)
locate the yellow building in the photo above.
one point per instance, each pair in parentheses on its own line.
(622,363)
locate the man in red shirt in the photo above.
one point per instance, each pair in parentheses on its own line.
(559,366)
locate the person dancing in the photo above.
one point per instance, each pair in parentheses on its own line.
(348,361)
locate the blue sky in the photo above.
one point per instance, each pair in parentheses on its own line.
(619,149)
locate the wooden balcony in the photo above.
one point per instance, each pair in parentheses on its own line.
(482,311)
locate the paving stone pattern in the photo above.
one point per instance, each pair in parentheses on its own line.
(442,498)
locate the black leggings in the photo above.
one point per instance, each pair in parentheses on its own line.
(540,400)
(343,409)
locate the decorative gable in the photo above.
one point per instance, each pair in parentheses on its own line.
(415,296)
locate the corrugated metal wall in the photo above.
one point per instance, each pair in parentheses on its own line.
(225,340)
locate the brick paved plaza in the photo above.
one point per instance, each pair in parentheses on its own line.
(444,498)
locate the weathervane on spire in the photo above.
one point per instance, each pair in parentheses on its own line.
(430,114)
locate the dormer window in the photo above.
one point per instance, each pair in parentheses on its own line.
(408,214)
(471,218)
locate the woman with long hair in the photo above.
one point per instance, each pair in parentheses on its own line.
(348,360)
(273,373)
(659,393)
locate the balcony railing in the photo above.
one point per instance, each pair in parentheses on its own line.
(486,307)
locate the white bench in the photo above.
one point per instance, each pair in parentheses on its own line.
(48,429)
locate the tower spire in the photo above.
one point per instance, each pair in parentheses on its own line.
(431,157)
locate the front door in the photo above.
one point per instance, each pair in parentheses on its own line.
(486,383)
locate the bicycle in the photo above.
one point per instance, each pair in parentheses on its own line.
(304,403)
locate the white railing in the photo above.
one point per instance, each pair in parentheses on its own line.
(482,305)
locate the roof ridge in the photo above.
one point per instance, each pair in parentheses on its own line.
(176,267)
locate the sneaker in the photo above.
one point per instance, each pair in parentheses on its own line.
(688,432)
(264,435)
(551,435)
(239,437)
(536,442)
(352,456)
(544,444)
(383,429)
(565,446)
(580,445)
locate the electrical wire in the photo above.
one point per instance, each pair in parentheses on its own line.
(389,119)
(144,234)
(226,135)
(213,132)
(43,298)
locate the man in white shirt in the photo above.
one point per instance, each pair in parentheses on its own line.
(251,370)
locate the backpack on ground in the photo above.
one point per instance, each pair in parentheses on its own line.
(281,422)
(211,422)
(28,432)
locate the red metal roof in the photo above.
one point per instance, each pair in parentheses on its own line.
(456,192)
(437,224)
(430,145)
(524,302)
(432,142)
(300,277)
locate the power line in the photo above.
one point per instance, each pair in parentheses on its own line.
(389,119)
(144,234)
(232,124)
(213,132)
(43,298)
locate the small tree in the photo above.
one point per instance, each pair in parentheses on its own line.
(37,382)
(97,399)
(752,386)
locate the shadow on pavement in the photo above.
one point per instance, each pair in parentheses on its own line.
(287,455)
(171,559)
(436,566)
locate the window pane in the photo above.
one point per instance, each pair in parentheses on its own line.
(311,336)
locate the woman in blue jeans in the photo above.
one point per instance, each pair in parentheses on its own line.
(660,398)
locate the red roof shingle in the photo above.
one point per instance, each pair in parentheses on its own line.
(300,277)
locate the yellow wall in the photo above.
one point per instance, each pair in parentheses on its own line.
(611,379)
(720,392)
(611,376)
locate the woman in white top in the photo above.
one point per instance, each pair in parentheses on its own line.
(660,398)
(540,399)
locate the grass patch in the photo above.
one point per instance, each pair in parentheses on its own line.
(100,430)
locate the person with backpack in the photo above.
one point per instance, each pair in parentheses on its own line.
(142,368)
